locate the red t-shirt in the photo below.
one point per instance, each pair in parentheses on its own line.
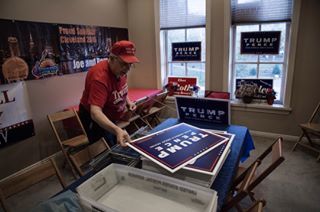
(103,89)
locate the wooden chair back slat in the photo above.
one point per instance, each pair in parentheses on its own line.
(85,155)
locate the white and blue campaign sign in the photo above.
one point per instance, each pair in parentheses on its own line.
(203,110)
(266,42)
(211,162)
(175,147)
(186,51)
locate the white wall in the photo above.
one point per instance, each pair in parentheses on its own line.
(56,93)
(142,33)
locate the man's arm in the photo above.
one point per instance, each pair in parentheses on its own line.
(104,122)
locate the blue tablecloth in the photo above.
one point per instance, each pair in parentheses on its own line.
(240,151)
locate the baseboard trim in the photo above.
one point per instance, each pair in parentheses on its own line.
(291,138)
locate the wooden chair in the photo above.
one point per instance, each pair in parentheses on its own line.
(151,113)
(27,177)
(69,132)
(309,130)
(81,158)
(247,180)
(131,117)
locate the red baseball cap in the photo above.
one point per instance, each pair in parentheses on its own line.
(125,50)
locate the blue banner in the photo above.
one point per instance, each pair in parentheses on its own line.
(186,51)
(260,42)
(203,110)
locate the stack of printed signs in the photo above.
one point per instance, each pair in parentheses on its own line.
(185,152)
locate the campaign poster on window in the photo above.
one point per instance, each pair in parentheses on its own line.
(181,85)
(260,85)
(175,147)
(207,110)
(186,51)
(266,42)
(15,115)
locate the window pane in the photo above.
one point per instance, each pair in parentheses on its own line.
(174,36)
(177,69)
(244,57)
(272,71)
(275,27)
(197,70)
(198,34)
(246,70)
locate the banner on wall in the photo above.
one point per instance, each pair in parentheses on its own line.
(266,42)
(186,51)
(33,50)
(15,115)
(84,46)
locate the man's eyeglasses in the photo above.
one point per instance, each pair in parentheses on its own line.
(122,63)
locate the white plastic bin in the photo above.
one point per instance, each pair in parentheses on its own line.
(122,188)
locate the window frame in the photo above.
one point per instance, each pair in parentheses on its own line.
(165,55)
(280,99)
(292,47)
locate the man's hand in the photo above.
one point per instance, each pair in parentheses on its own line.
(122,137)
(132,106)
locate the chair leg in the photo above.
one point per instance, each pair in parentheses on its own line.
(238,208)
(3,203)
(308,138)
(251,195)
(74,173)
(298,142)
(318,159)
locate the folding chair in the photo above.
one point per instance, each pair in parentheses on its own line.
(131,117)
(69,132)
(247,180)
(152,112)
(27,177)
(311,129)
(81,158)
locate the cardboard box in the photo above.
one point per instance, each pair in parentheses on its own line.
(122,188)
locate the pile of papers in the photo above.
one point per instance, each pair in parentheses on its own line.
(185,152)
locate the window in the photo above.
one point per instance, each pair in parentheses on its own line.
(182,21)
(261,15)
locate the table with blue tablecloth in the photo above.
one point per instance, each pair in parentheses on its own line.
(240,151)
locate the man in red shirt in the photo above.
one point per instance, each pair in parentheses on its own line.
(105,99)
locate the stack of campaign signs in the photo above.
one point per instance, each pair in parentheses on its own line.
(185,152)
